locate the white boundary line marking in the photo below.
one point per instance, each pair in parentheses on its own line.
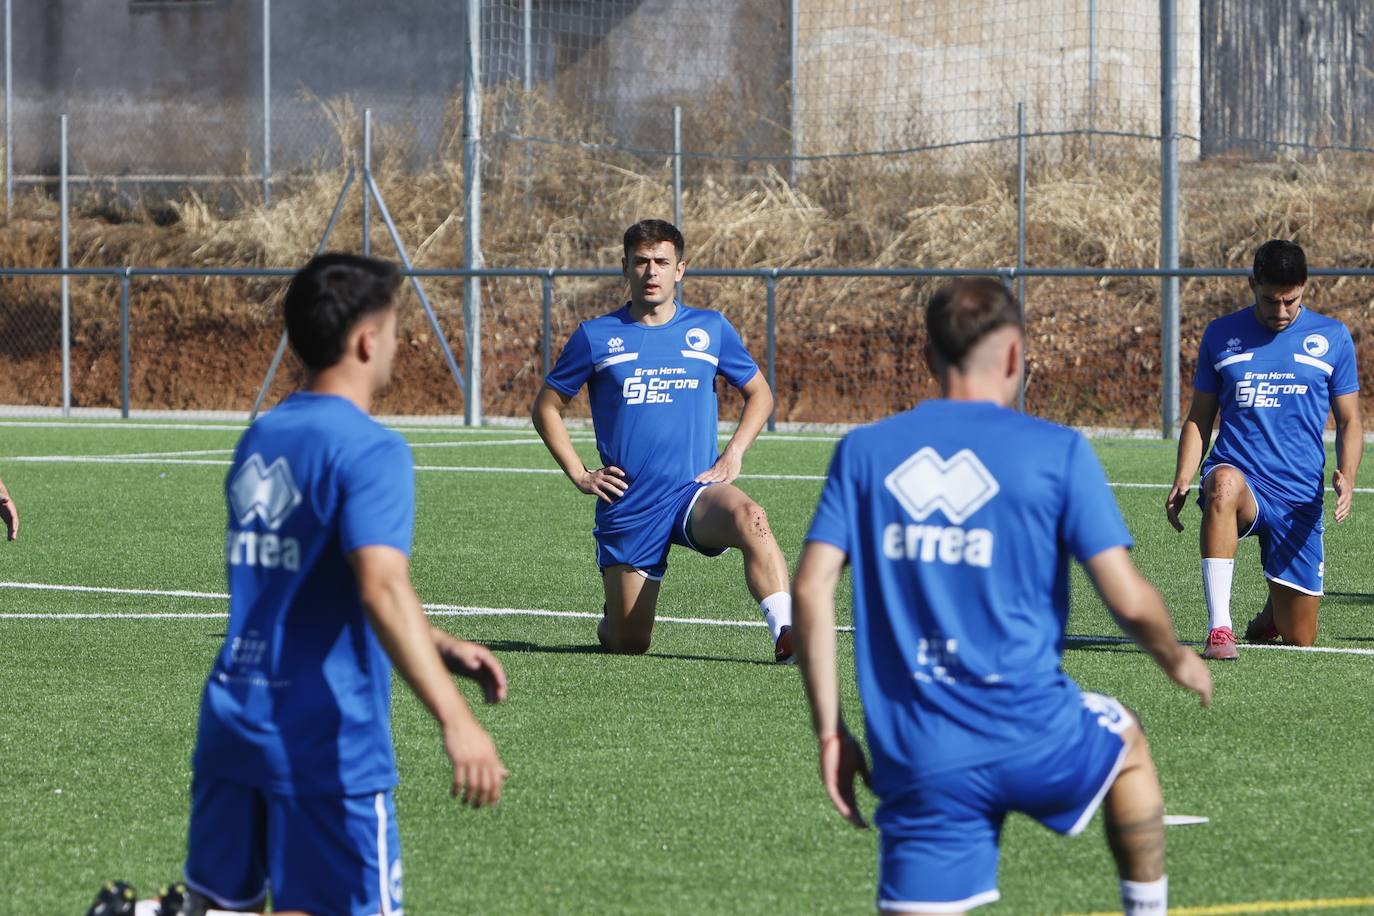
(459,610)
(449,469)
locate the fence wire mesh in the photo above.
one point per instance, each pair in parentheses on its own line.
(815,133)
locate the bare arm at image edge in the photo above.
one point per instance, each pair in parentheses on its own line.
(9,512)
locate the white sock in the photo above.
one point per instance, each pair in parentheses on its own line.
(777,610)
(1216,584)
(1145,896)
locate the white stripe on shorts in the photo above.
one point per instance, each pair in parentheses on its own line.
(952,906)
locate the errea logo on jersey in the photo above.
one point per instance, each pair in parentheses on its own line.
(615,345)
(1234,345)
(957,488)
(269,493)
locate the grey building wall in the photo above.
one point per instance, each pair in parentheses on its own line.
(174,86)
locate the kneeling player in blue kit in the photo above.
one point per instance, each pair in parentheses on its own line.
(650,370)
(959,518)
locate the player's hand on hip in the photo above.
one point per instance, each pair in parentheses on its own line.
(478,772)
(474,662)
(1174,503)
(841,760)
(1187,669)
(606,483)
(9,512)
(725,470)
(1345,495)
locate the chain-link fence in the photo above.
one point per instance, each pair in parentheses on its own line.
(807,134)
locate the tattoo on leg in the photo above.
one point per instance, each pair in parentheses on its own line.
(1138,846)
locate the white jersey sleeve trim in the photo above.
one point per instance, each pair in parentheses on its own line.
(1237,358)
(704,357)
(613,360)
(1313,361)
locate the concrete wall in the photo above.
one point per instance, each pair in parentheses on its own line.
(944,71)
(175,86)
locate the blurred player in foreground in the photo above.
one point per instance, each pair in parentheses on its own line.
(294,768)
(9,513)
(650,370)
(1274,371)
(959,518)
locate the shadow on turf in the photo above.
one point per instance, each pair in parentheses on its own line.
(517,645)
(1098,644)
(1349,597)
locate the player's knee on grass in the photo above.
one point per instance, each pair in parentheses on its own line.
(620,640)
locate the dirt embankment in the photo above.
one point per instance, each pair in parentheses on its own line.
(846,351)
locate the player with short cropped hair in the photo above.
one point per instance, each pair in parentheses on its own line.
(1273,371)
(959,518)
(650,370)
(294,770)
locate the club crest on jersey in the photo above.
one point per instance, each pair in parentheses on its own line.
(1234,345)
(958,487)
(698,339)
(270,493)
(1315,345)
(615,345)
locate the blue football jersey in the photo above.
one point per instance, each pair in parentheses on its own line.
(653,399)
(1274,392)
(299,698)
(958,519)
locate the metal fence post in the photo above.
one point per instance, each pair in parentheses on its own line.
(793,122)
(66,284)
(1021,231)
(771,281)
(9,107)
(546,338)
(367,173)
(1168,218)
(677,178)
(527,36)
(1092,77)
(472,243)
(124,343)
(267,103)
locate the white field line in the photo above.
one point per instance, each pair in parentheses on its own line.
(399,427)
(458,610)
(440,468)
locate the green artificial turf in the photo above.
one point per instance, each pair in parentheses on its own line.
(683,781)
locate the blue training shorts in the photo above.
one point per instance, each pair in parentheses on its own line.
(645,547)
(938,843)
(317,853)
(1292,551)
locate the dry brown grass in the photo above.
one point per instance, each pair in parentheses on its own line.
(847,345)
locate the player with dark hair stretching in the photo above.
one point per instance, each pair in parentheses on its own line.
(960,549)
(650,370)
(1274,371)
(294,767)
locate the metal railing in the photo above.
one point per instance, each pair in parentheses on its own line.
(548,276)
